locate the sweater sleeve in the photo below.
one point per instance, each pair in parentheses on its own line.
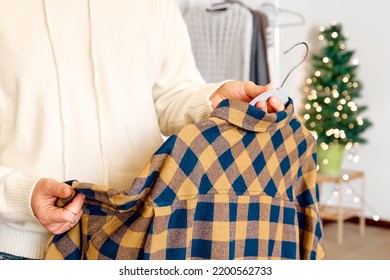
(15,197)
(180,94)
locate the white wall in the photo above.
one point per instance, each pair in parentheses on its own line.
(366,24)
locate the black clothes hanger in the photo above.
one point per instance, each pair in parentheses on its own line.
(278,91)
(223,5)
(278,11)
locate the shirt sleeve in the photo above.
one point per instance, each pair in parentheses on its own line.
(180,94)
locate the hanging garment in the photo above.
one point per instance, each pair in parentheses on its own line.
(221,41)
(259,70)
(240,184)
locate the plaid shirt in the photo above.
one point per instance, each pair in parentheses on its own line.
(240,184)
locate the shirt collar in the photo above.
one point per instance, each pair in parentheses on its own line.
(251,118)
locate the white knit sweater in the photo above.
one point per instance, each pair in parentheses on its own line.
(86,88)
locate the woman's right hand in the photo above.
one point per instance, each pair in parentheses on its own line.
(55,219)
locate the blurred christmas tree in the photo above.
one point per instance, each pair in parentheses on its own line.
(330,110)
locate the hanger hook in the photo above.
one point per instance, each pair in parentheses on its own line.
(286,51)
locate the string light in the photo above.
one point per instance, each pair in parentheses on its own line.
(325,59)
(357,198)
(330,112)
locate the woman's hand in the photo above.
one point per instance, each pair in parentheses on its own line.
(246,91)
(54,219)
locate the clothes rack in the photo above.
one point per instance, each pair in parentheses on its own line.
(275,8)
(278,18)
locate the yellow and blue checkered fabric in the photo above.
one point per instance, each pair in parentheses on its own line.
(240,184)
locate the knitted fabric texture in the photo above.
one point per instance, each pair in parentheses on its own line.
(221,41)
(240,184)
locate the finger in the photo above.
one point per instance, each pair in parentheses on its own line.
(65,225)
(275,104)
(72,222)
(269,86)
(55,215)
(252,90)
(262,105)
(74,208)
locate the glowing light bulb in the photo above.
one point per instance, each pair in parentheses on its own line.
(345,177)
(376,218)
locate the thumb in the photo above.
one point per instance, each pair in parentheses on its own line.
(62,190)
(253,90)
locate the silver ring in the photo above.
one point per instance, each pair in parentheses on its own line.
(70,211)
(72,222)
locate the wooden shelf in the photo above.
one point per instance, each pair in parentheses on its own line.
(332,213)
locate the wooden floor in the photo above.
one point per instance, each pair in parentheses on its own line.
(373,245)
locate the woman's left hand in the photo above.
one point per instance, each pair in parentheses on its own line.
(246,91)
